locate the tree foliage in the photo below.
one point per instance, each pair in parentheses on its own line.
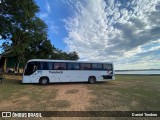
(20,26)
(17,20)
(24,34)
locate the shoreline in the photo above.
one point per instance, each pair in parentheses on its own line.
(139,74)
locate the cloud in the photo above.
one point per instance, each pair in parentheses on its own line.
(48,8)
(43,15)
(46,16)
(52,27)
(45,11)
(103,30)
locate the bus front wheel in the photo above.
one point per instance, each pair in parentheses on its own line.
(44,80)
(92,80)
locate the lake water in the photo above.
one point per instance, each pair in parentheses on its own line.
(156,72)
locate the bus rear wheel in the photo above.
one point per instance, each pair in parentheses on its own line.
(92,80)
(44,80)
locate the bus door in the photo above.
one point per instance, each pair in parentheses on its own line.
(30,72)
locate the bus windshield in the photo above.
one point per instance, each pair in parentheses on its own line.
(30,68)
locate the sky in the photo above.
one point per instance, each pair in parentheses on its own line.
(125,32)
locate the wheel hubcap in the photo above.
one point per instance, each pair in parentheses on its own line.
(44,81)
(92,81)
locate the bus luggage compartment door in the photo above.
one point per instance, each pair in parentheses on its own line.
(107,77)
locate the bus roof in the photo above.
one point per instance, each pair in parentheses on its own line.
(51,60)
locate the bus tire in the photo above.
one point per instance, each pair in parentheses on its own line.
(92,80)
(44,80)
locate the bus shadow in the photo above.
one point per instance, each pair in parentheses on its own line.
(12,81)
(68,83)
(73,83)
(19,82)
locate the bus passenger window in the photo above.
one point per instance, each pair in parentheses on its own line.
(107,67)
(96,66)
(70,66)
(43,66)
(73,66)
(50,66)
(60,66)
(76,66)
(85,66)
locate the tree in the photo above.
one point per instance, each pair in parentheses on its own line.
(73,56)
(24,34)
(20,28)
(16,20)
(60,55)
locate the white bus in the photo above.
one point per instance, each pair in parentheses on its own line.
(49,71)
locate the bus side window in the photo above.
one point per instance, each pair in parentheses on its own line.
(70,66)
(88,66)
(43,66)
(99,66)
(82,66)
(107,67)
(85,66)
(63,66)
(56,65)
(76,66)
(50,66)
(110,67)
(73,66)
(60,66)
(94,66)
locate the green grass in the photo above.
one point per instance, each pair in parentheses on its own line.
(8,87)
(17,96)
(127,93)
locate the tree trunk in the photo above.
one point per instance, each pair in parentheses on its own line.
(17,64)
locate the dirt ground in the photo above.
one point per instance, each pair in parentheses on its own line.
(126,93)
(76,94)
